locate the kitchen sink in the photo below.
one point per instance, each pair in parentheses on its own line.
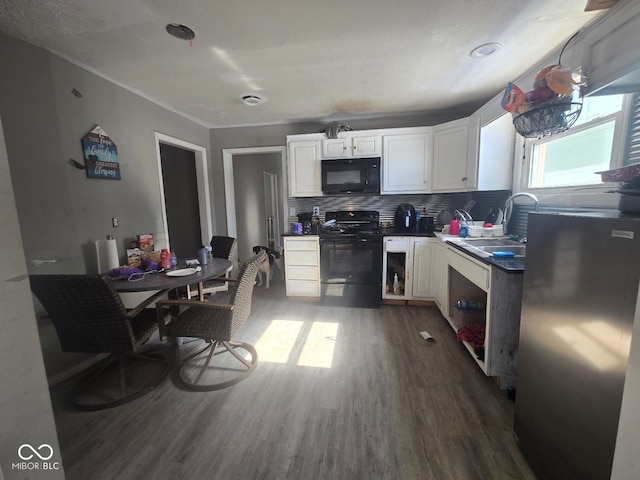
(486,242)
(485,247)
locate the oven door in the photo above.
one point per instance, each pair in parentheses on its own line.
(351,271)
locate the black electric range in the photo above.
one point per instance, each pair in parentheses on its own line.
(351,259)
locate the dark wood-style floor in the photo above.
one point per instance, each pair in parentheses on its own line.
(339,393)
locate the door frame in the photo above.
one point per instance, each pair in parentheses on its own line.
(202,178)
(229,190)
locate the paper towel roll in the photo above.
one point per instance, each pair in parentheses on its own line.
(107,252)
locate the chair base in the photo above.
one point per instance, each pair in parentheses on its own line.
(119,379)
(203,363)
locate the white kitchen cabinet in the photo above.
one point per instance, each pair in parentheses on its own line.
(439,276)
(302,266)
(490,150)
(405,163)
(411,259)
(423,285)
(397,262)
(501,292)
(352,145)
(305,177)
(610,53)
(450,156)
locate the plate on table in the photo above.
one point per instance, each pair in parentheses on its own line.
(182,272)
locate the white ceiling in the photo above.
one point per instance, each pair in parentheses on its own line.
(311,60)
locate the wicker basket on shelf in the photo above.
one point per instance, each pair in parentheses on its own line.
(547,119)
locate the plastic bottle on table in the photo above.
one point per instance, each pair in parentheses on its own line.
(173,259)
(165,261)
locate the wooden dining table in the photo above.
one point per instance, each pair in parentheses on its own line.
(171,280)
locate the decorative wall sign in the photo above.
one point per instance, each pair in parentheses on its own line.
(100,155)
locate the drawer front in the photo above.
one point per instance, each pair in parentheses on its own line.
(306,244)
(474,272)
(297,272)
(301,258)
(396,245)
(306,288)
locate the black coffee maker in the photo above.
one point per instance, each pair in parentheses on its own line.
(405,219)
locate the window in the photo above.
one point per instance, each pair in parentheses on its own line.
(591,145)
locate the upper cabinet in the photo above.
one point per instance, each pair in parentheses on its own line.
(352,145)
(491,146)
(405,162)
(304,169)
(450,156)
(610,53)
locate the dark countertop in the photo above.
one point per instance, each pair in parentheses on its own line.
(299,235)
(509,265)
(390,232)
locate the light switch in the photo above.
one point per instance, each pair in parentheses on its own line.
(292,211)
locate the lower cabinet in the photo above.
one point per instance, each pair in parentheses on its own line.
(407,268)
(302,266)
(501,293)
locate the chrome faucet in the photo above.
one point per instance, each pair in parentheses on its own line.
(464,216)
(508,206)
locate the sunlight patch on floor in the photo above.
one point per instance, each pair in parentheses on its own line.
(306,344)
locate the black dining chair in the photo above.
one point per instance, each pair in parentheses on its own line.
(89,317)
(222,247)
(208,368)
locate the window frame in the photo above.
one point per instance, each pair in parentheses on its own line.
(587,195)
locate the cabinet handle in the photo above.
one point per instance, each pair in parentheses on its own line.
(464,179)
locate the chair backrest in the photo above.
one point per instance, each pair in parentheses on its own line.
(223,247)
(86,311)
(243,291)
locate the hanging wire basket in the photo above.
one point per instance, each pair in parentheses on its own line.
(547,119)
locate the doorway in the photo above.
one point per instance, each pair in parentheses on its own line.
(186,206)
(181,199)
(272,218)
(247,224)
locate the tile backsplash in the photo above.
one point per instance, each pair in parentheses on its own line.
(386,204)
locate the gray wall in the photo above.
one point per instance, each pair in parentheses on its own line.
(26,415)
(61,212)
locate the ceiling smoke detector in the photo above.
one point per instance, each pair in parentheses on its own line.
(252,100)
(485,50)
(180,31)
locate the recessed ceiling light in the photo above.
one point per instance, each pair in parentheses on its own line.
(180,31)
(485,50)
(252,100)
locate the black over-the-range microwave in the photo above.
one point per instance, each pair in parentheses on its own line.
(351,176)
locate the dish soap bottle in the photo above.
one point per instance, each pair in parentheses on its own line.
(174,260)
(396,284)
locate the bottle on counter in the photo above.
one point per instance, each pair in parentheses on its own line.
(396,284)
(165,260)
(418,220)
(173,259)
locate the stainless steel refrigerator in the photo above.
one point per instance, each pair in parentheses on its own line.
(579,299)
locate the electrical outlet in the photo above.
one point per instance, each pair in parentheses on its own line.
(292,211)
(115,222)
(316,211)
